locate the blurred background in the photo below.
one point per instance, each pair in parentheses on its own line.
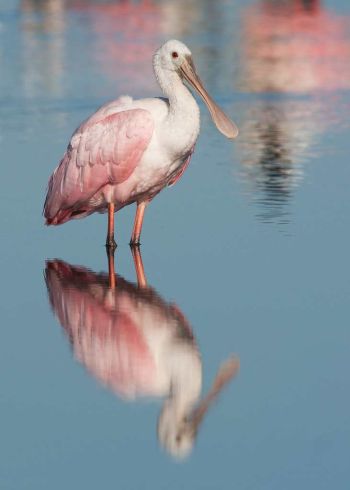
(251,245)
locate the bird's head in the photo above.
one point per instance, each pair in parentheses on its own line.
(178,424)
(171,55)
(175,57)
(176,434)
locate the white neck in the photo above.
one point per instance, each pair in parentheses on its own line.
(173,88)
(185,368)
(171,85)
(183,116)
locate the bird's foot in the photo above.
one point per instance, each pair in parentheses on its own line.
(111,244)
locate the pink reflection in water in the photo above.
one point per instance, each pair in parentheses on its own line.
(125,35)
(136,344)
(290,47)
(121,335)
(295,46)
(120,38)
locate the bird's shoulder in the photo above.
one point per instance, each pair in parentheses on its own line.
(139,111)
(158,107)
(111,132)
(111,113)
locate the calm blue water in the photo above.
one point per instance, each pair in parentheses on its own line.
(252,246)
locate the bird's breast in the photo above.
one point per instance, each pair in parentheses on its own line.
(180,132)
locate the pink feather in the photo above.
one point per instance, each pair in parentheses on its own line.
(104,150)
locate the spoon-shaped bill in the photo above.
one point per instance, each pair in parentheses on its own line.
(226,372)
(221,121)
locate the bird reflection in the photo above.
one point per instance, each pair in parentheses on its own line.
(291,52)
(136,344)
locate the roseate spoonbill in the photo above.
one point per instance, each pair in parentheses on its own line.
(129,150)
(136,344)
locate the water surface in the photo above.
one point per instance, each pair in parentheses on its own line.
(246,256)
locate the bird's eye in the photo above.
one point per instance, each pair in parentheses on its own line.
(174,54)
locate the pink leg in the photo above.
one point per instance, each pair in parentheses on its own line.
(110,242)
(136,232)
(111,269)
(140,272)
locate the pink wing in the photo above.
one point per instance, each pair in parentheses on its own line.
(101,151)
(107,337)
